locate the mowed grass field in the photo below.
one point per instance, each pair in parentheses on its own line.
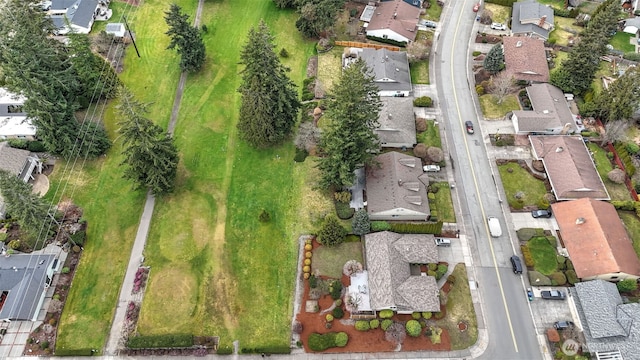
(215,270)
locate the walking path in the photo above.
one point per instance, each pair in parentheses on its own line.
(117,333)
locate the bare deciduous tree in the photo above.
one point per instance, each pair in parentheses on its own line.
(396,333)
(435,154)
(617,176)
(420,150)
(615,131)
(308,136)
(502,85)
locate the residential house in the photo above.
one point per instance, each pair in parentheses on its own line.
(569,167)
(390,70)
(632,25)
(395,281)
(18,162)
(525,59)
(24,279)
(550,115)
(532,19)
(77,16)
(395,20)
(596,240)
(397,123)
(396,188)
(611,329)
(14,123)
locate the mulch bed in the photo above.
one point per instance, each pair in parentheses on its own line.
(488,39)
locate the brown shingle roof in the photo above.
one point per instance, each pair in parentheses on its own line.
(391,284)
(595,238)
(525,58)
(405,21)
(569,167)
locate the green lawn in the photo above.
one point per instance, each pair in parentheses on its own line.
(460,309)
(519,180)
(603,165)
(622,41)
(443,203)
(564,31)
(214,267)
(492,110)
(543,254)
(500,14)
(632,223)
(588,7)
(330,67)
(557,4)
(560,57)
(119,8)
(419,72)
(328,261)
(430,137)
(433,12)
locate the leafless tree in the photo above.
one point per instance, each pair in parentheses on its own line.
(615,131)
(396,333)
(502,85)
(420,150)
(435,154)
(617,176)
(308,136)
(421,125)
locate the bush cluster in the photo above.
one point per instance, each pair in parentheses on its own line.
(625,157)
(627,285)
(362,325)
(423,101)
(415,228)
(386,314)
(160,341)
(385,324)
(413,328)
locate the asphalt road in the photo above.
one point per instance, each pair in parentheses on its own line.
(506,311)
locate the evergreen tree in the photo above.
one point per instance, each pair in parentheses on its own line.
(27,208)
(150,156)
(621,99)
(316,16)
(494,61)
(285,3)
(360,223)
(186,39)
(98,80)
(269,107)
(350,141)
(332,232)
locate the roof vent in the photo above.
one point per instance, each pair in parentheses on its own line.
(559,149)
(395,15)
(519,44)
(580,221)
(400,182)
(389,115)
(545,111)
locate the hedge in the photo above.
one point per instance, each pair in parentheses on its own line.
(269,349)
(380,226)
(224,350)
(74,352)
(423,101)
(415,228)
(386,314)
(160,341)
(387,41)
(321,342)
(625,157)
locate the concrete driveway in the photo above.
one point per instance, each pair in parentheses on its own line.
(525,220)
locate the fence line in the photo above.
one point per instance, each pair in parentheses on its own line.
(366,45)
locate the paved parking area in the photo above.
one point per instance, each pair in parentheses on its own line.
(525,220)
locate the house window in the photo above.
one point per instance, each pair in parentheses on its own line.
(14,109)
(384,36)
(614,278)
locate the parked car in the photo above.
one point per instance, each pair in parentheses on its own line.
(494,226)
(469,126)
(431,168)
(516,265)
(498,26)
(476,7)
(430,24)
(443,242)
(541,214)
(562,325)
(553,295)
(530,294)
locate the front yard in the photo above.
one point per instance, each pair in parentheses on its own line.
(492,110)
(521,188)
(328,261)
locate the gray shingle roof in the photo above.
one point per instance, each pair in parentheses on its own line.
(397,122)
(23,277)
(390,68)
(13,160)
(391,284)
(526,16)
(78,12)
(550,110)
(609,324)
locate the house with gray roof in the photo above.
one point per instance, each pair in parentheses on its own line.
(532,19)
(390,71)
(394,278)
(396,188)
(21,163)
(609,326)
(550,115)
(24,279)
(77,16)
(397,123)
(14,123)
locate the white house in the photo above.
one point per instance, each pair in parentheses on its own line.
(14,123)
(77,16)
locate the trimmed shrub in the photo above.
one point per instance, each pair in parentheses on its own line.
(384,325)
(480,90)
(337,312)
(343,210)
(341,339)
(558,278)
(374,323)
(628,205)
(572,277)
(476,53)
(307,261)
(552,240)
(431,273)
(335,289)
(427,315)
(432,266)
(160,341)
(423,101)
(332,233)
(362,325)
(329,317)
(308,254)
(413,328)
(385,314)
(525,234)
(438,315)
(380,226)
(321,342)
(222,350)
(627,285)
(360,223)
(308,247)
(440,271)
(569,265)
(306,269)
(416,315)
(526,254)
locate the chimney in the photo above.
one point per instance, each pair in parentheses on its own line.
(580,221)
(543,19)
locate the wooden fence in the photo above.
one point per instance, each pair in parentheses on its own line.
(627,180)
(366,45)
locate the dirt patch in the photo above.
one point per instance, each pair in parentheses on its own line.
(312,66)
(488,39)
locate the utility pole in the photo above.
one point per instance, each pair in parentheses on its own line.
(131,35)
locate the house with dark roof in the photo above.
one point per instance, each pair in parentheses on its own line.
(525,59)
(21,163)
(569,167)
(596,240)
(390,71)
(77,16)
(611,329)
(14,123)
(396,20)
(631,25)
(397,123)
(394,278)
(532,19)
(396,188)
(24,279)
(550,115)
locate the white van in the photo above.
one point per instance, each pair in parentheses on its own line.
(494,226)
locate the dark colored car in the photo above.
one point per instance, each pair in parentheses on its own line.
(553,295)
(469,126)
(516,265)
(541,214)
(562,325)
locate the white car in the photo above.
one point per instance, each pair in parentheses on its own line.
(431,168)
(498,26)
